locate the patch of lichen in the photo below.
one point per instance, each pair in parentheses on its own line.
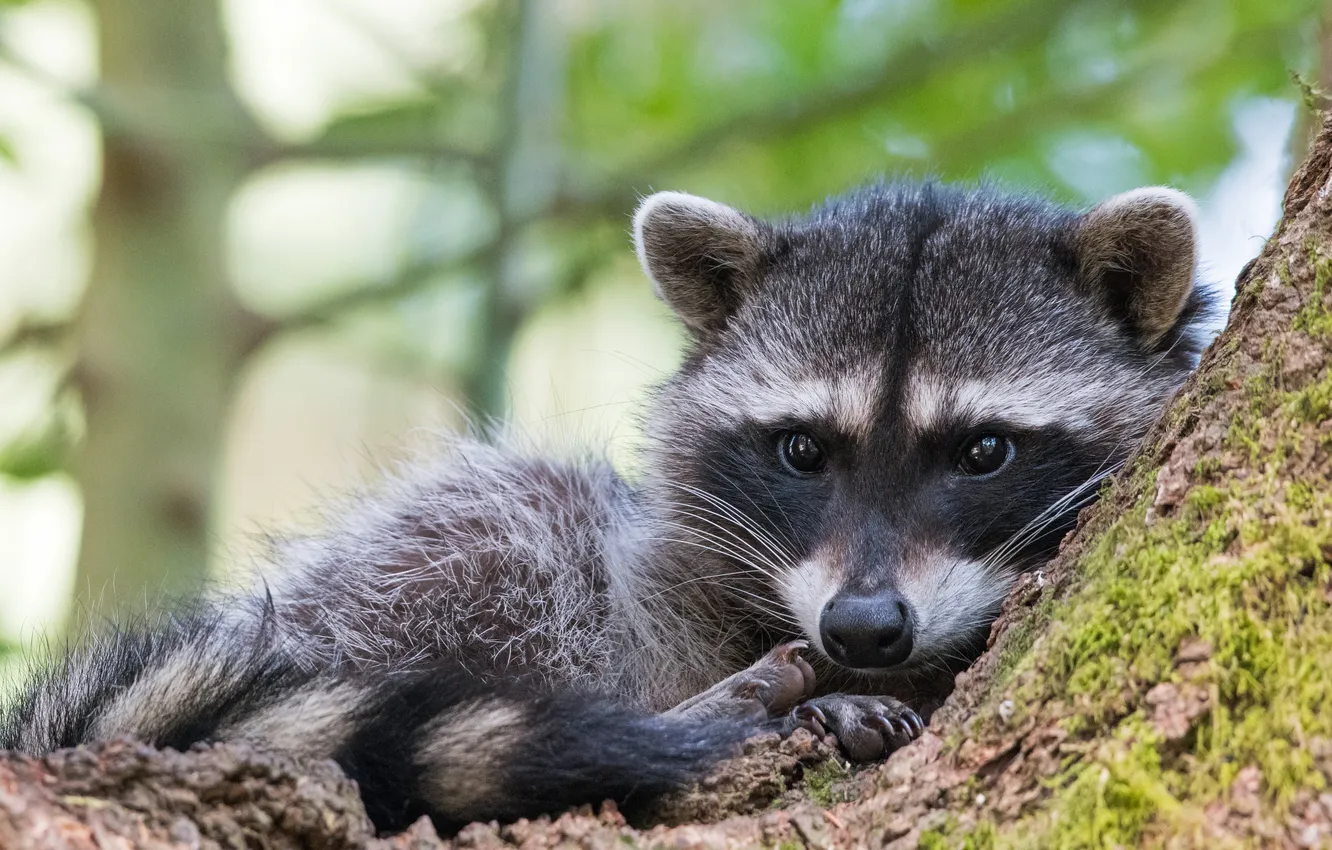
(1315,318)
(1104,801)
(979,836)
(828,783)
(1243,567)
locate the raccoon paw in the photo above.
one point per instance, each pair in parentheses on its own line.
(867,728)
(768,689)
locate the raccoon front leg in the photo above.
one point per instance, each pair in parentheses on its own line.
(867,727)
(768,689)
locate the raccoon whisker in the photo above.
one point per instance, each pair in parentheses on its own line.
(768,606)
(1002,557)
(1045,519)
(729,534)
(786,518)
(696,579)
(786,538)
(720,532)
(726,511)
(741,518)
(747,570)
(1033,530)
(1057,506)
(748,555)
(1060,505)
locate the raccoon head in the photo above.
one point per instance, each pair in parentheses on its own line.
(892,406)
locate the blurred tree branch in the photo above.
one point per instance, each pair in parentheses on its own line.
(35,332)
(502,311)
(1011,30)
(170,115)
(613,195)
(161,335)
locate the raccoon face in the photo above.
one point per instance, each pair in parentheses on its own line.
(894,405)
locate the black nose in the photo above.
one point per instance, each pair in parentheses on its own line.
(867,631)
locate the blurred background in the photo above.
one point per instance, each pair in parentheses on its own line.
(254,251)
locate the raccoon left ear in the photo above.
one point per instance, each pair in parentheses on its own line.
(703,257)
(1140,249)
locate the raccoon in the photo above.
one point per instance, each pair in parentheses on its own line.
(889,409)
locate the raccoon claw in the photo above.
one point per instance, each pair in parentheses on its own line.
(867,728)
(811,717)
(912,719)
(768,689)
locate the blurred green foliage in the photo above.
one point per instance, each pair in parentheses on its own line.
(774,105)
(780,103)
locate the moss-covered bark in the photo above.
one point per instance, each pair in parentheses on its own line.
(1167,681)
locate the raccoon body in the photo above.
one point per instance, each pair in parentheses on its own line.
(890,408)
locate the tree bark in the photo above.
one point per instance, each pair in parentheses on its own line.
(160,336)
(1165,682)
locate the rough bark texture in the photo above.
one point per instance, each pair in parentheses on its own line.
(1166,682)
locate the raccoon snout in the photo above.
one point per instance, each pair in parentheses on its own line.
(867,631)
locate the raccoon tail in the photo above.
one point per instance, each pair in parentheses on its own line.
(442,746)
(439,743)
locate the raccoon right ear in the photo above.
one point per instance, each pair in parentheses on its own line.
(703,257)
(1140,250)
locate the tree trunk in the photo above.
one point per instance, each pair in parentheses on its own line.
(1166,681)
(157,352)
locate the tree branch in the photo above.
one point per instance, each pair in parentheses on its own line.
(32,333)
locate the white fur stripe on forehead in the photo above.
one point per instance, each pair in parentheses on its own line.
(761,392)
(1078,400)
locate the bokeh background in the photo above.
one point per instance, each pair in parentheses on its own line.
(254,251)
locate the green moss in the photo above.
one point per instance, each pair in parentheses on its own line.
(825,783)
(983,837)
(1315,318)
(1207,467)
(932,839)
(1204,500)
(1312,403)
(1109,801)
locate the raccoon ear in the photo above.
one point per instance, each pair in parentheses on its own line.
(1140,249)
(703,257)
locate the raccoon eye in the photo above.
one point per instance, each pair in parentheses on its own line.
(801,452)
(985,454)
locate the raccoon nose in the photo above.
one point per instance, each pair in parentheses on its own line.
(867,631)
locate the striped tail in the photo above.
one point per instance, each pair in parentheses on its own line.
(439,743)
